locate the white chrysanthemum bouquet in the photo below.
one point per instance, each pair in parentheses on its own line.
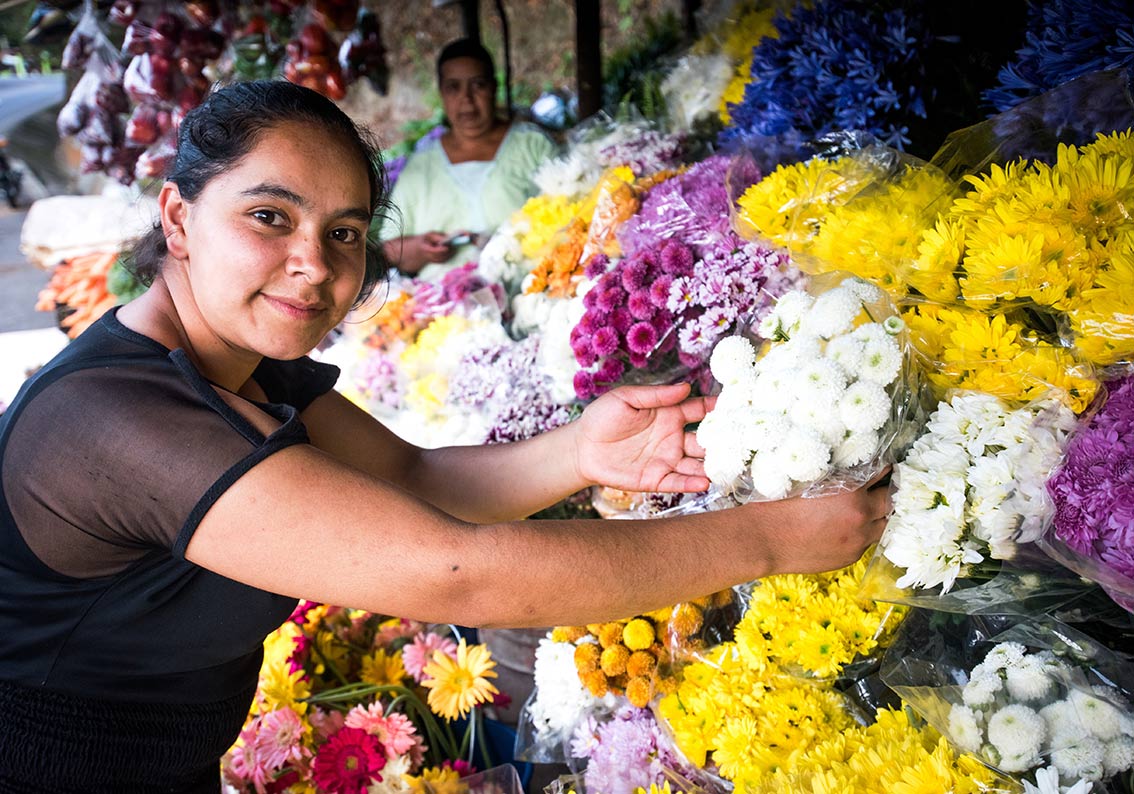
(1021,710)
(816,409)
(972,487)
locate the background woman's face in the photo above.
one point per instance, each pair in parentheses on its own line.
(468,95)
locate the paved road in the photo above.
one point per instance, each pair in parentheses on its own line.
(23,97)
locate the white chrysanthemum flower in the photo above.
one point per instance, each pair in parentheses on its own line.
(725,463)
(694,87)
(856,448)
(1028,680)
(733,400)
(763,430)
(1102,718)
(930,453)
(863,290)
(881,361)
(1004,654)
(1063,725)
(769,478)
(865,406)
(893,325)
(964,728)
(1047,782)
(831,315)
(803,455)
(1017,732)
(1119,756)
(732,360)
(784,319)
(982,691)
(846,351)
(820,377)
(1083,759)
(774,391)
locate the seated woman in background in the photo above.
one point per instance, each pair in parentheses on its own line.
(472,178)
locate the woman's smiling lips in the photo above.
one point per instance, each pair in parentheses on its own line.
(294,307)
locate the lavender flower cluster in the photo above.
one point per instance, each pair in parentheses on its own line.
(628,752)
(377,377)
(692,207)
(735,284)
(646,153)
(1093,491)
(1066,39)
(506,383)
(841,65)
(433,299)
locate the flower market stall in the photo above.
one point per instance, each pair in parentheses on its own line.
(872,296)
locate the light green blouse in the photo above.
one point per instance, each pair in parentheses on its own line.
(433,194)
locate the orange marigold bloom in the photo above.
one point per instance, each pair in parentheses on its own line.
(641,663)
(610,634)
(568,633)
(595,682)
(687,619)
(639,690)
(587,657)
(614,659)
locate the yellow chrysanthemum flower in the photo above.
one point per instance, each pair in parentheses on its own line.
(546,214)
(436,780)
(1103,323)
(382,668)
(279,688)
(455,686)
(654,789)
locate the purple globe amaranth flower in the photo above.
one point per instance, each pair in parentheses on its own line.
(621,320)
(611,370)
(676,259)
(597,266)
(634,274)
(640,306)
(610,298)
(605,341)
(641,338)
(584,383)
(659,291)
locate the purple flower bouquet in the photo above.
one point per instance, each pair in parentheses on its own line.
(1093,491)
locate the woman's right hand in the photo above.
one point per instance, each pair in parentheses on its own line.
(414,252)
(815,534)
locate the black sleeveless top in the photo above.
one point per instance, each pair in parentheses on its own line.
(124,667)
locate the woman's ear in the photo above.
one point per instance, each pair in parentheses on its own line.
(172,210)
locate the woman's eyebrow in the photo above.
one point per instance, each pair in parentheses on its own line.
(273,190)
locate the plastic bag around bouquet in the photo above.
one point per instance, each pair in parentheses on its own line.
(1071,114)
(969,503)
(963,349)
(830,399)
(1090,527)
(87,38)
(858,207)
(1022,694)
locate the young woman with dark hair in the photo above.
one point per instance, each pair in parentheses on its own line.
(181,474)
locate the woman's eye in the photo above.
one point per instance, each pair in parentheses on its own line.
(345,235)
(268,217)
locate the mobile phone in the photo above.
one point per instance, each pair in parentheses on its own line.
(459,239)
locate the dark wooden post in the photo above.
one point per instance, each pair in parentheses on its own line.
(588,56)
(470,19)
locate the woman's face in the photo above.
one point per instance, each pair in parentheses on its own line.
(468,95)
(275,246)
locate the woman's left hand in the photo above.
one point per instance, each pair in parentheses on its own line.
(634,438)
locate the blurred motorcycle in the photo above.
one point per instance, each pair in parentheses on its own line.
(10,176)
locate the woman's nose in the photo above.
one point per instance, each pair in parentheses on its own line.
(309,259)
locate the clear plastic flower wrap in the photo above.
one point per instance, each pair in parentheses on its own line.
(1091,529)
(1023,694)
(854,206)
(827,402)
(962,348)
(969,502)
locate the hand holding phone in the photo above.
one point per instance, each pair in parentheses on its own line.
(457,240)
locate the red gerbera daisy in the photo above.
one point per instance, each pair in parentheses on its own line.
(349,762)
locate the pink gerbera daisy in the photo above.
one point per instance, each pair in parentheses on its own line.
(420,652)
(280,738)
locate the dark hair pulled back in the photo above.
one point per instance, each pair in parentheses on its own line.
(466,48)
(218,133)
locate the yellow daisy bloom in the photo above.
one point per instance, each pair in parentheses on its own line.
(456,686)
(382,668)
(436,780)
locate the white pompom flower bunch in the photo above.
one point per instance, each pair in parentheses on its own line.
(819,399)
(972,486)
(1020,712)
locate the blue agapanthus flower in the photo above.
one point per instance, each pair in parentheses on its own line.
(1066,39)
(841,65)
